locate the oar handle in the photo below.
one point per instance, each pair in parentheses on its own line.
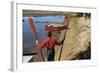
(37,42)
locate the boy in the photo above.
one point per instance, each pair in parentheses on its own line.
(49,43)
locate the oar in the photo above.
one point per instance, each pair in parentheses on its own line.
(32,26)
(68,20)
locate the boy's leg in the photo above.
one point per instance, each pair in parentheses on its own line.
(50,55)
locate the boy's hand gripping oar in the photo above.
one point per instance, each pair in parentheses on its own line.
(32,26)
(68,20)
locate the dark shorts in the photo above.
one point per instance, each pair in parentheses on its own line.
(51,54)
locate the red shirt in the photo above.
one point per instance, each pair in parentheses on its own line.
(49,43)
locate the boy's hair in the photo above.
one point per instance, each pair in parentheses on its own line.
(49,34)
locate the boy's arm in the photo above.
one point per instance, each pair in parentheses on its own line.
(41,46)
(59,42)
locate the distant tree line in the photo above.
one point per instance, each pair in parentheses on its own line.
(86,15)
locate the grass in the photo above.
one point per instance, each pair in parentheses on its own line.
(75,19)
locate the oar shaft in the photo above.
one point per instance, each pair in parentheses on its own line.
(68,20)
(42,55)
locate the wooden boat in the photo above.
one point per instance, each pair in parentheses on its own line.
(55,27)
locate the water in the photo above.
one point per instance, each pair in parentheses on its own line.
(28,36)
